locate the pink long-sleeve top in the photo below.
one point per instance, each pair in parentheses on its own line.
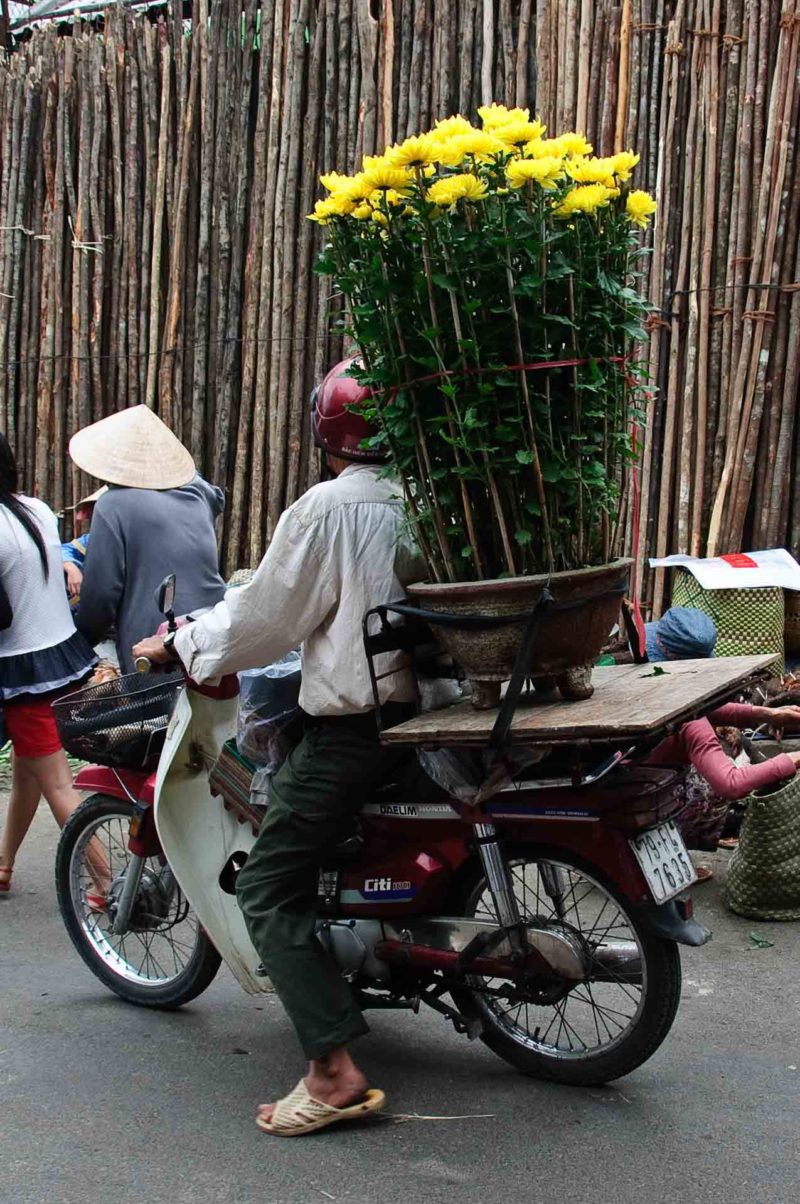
(698,743)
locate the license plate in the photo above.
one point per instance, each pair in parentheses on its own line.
(665,863)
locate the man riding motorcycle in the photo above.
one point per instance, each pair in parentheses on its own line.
(340,550)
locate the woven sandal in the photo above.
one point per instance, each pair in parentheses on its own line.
(298,1112)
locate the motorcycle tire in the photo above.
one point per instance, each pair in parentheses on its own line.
(104,822)
(530,1053)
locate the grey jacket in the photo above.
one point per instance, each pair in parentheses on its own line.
(138,536)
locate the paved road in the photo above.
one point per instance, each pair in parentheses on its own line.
(102,1103)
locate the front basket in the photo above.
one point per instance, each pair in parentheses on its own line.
(120,723)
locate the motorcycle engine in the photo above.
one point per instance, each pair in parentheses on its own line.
(351,944)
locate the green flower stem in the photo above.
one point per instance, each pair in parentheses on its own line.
(469,518)
(537,465)
(576,418)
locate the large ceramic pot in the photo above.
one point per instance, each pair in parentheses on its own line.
(569,640)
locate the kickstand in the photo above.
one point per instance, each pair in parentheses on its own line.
(432,996)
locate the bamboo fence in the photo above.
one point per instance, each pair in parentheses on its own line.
(155,173)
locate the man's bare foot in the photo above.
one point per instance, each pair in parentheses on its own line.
(334,1079)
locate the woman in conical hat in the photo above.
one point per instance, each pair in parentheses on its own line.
(156,518)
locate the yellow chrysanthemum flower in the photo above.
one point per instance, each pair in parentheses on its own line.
(333,180)
(479,144)
(518,133)
(624,163)
(451,125)
(591,171)
(390,195)
(323,212)
(341,203)
(573,144)
(586,198)
(545,171)
(363,212)
(639,207)
(419,151)
(495,115)
(382,175)
(380,218)
(466,186)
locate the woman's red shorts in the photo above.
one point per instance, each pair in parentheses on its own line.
(31,727)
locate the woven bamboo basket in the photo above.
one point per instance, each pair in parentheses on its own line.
(791,623)
(763,881)
(749,622)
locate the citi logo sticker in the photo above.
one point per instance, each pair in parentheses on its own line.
(378,885)
(387,890)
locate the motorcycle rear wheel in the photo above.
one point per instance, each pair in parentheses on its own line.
(165,958)
(599,1030)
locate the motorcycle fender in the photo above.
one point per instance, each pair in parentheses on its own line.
(200,838)
(667,920)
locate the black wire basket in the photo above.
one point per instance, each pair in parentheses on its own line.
(121,723)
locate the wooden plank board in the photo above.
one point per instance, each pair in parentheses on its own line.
(628,701)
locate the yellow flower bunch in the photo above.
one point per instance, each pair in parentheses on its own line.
(457,161)
(639,207)
(546,171)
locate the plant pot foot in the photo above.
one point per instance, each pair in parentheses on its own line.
(485,694)
(576,684)
(545,687)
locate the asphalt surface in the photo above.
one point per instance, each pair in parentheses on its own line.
(104,1103)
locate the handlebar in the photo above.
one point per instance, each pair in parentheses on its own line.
(143,664)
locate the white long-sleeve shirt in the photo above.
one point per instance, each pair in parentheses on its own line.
(341,549)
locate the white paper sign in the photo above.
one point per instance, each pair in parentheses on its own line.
(742,570)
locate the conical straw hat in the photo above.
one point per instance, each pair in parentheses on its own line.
(91,497)
(133,447)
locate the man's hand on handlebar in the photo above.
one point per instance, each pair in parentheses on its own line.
(153,650)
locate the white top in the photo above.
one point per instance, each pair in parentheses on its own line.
(341,549)
(41,614)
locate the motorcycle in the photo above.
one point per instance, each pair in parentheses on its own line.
(545,921)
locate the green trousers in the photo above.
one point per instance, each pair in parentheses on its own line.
(313,799)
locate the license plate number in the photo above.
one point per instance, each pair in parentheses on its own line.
(664,860)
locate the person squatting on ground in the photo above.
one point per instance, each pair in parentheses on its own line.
(684,633)
(41,657)
(338,551)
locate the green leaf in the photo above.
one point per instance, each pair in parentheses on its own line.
(523,537)
(524,457)
(760,942)
(657,672)
(443,282)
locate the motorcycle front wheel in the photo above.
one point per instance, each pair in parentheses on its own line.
(163,959)
(594,1031)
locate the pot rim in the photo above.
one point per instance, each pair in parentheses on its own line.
(466,589)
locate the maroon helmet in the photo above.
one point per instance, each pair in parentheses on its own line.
(336,428)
